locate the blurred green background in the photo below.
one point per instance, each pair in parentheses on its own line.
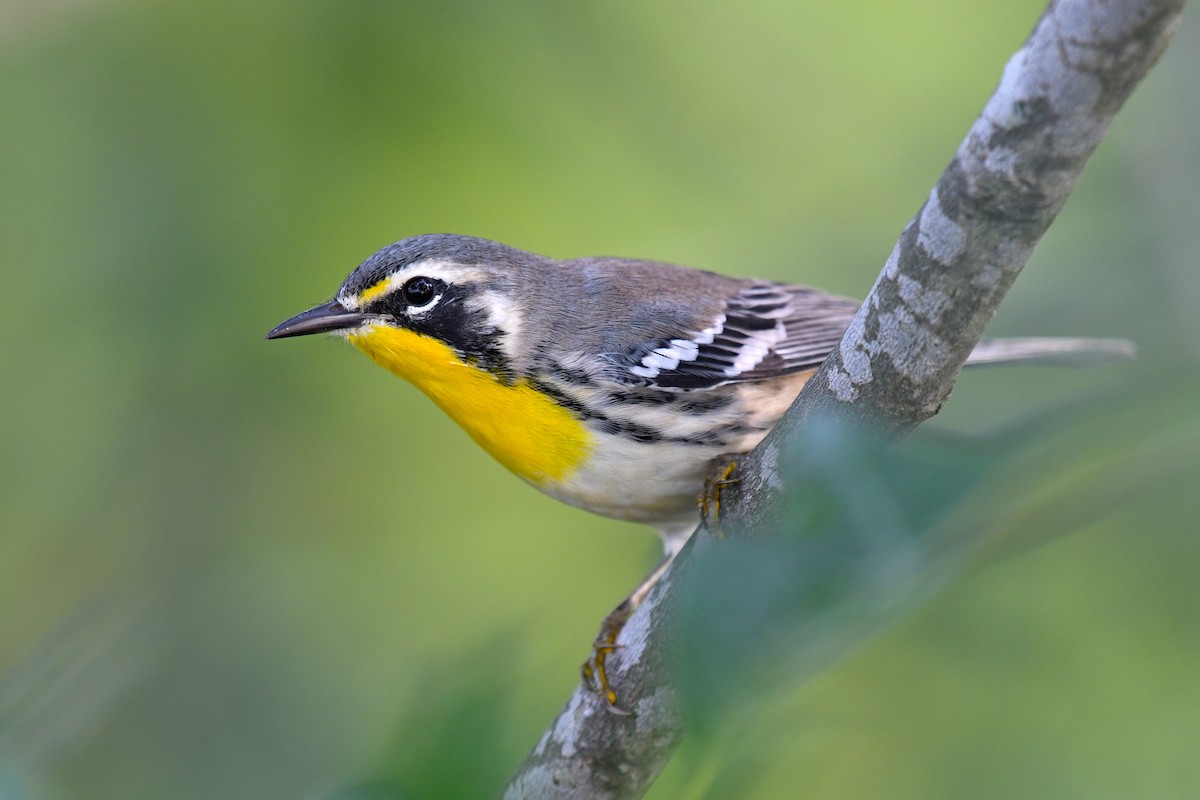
(237,569)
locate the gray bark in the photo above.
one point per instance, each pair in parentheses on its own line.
(901,355)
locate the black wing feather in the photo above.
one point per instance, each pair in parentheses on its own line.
(767,330)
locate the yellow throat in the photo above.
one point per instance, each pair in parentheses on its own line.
(522,428)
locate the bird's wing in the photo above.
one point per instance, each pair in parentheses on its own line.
(764,330)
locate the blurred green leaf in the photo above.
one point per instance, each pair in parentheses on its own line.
(872,528)
(455,738)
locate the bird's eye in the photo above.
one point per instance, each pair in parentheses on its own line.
(420,291)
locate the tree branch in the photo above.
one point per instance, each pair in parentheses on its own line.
(901,355)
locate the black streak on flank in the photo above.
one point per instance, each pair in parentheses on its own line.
(634,431)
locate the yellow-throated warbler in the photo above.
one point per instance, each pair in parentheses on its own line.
(612,384)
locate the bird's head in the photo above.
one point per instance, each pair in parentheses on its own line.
(459,291)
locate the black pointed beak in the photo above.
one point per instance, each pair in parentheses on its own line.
(324,318)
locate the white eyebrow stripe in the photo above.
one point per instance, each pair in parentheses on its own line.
(450,272)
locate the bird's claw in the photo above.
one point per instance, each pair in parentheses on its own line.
(594,670)
(719,477)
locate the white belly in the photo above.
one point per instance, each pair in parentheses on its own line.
(659,483)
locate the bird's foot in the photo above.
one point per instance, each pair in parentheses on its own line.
(594,670)
(720,476)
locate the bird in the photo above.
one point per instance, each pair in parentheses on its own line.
(624,387)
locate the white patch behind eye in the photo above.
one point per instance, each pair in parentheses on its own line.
(504,316)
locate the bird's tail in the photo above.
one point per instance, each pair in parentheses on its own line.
(1051,350)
